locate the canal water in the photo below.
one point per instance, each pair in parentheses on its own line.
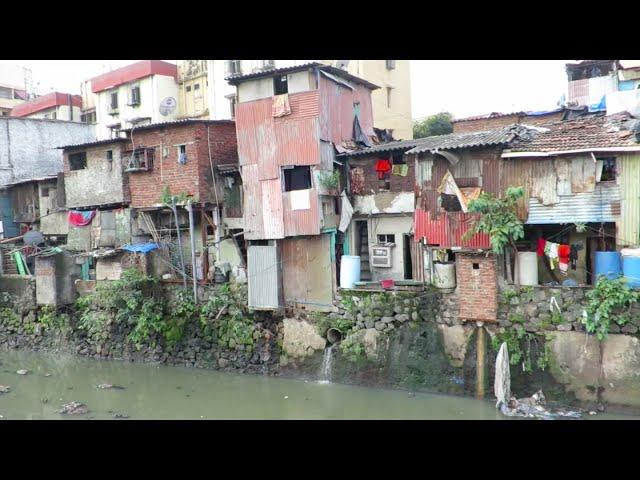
(162,392)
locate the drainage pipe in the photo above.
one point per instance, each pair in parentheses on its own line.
(480,360)
(193,251)
(334,335)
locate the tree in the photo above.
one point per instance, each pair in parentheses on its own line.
(438,124)
(499,219)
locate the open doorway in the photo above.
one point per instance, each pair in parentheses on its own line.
(408,252)
(362,249)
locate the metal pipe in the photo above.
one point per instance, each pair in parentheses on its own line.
(480,360)
(175,216)
(193,251)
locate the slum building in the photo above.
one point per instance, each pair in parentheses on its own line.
(381,192)
(290,123)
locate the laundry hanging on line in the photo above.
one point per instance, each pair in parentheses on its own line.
(382,167)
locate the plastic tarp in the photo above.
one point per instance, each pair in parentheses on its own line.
(81,219)
(140,247)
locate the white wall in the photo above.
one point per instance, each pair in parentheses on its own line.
(62,113)
(153,90)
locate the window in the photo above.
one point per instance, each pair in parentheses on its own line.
(114,100)
(476,266)
(134,98)
(188,89)
(450,203)
(606,169)
(297,178)
(389,97)
(232,106)
(110,155)
(391,64)
(5,92)
(280,85)
(398,158)
(266,64)
(182,154)
(53,115)
(140,159)
(78,161)
(44,191)
(233,67)
(89,117)
(387,238)
(196,86)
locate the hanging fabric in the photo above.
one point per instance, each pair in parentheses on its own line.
(81,219)
(541,244)
(382,167)
(551,251)
(357,181)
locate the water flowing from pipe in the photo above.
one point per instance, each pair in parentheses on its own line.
(327,365)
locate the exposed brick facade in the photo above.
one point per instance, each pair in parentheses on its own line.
(192,178)
(482,124)
(477,288)
(397,183)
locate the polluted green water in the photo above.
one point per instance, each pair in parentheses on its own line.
(161,392)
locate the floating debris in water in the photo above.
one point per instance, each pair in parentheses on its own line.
(23,372)
(457,380)
(535,407)
(44,400)
(5,389)
(286,396)
(105,386)
(73,408)
(47,374)
(120,415)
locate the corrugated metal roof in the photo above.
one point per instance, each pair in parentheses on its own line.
(94,143)
(383,147)
(184,121)
(29,180)
(236,79)
(601,205)
(500,136)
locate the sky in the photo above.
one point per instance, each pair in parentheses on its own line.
(461,87)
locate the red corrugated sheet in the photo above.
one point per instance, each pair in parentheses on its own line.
(132,72)
(301,222)
(45,102)
(447,229)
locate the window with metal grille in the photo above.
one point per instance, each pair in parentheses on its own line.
(391,64)
(78,161)
(134,98)
(606,169)
(139,160)
(386,238)
(196,86)
(233,67)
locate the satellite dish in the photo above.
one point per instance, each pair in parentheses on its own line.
(33,238)
(167,106)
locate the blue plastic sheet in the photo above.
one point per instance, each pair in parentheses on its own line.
(141,247)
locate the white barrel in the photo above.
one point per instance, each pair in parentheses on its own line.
(528,268)
(349,271)
(444,275)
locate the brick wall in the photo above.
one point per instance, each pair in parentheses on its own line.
(481,124)
(477,289)
(397,182)
(193,178)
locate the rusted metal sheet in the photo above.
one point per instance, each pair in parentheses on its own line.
(543,182)
(327,155)
(252,202)
(629,224)
(337,110)
(297,142)
(303,105)
(601,205)
(264,277)
(272,218)
(517,173)
(467,167)
(307,272)
(447,229)
(491,175)
(583,174)
(301,222)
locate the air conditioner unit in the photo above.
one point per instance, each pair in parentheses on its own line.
(381,256)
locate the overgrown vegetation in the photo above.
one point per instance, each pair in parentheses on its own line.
(329,180)
(610,300)
(519,344)
(226,319)
(167,197)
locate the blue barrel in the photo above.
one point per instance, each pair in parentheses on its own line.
(631,270)
(608,264)
(349,271)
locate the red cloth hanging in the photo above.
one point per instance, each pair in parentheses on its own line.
(541,243)
(563,252)
(382,167)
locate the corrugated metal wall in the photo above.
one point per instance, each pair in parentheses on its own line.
(601,205)
(307,271)
(447,229)
(629,180)
(301,222)
(263,271)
